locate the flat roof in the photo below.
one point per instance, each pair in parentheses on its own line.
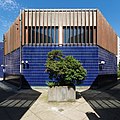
(59,9)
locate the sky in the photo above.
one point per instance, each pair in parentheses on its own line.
(10,9)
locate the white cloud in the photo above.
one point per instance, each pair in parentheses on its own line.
(9,5)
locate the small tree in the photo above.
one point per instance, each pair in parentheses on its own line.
(64,71)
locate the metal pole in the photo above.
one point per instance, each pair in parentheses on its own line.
(20,49)
(20,41)
(3,57)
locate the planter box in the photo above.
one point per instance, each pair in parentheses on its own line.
(61,93)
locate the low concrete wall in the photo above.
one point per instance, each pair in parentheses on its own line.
(61,93)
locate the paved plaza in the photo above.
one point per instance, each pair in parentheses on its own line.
(32,104)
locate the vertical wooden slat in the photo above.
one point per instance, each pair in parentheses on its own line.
(47,30)
(62,26)
(23,27)
(89,26)
(81,28)
(54,28)
(77,37)
(27,32)
(51,27)
(93,26)
(18,32)
(35,27)
(96,25)
(73,27)
(95,31)
(31,25)
(85,28)
(70,25)
(39,29)
(65,41)
(43,29)
(13,37)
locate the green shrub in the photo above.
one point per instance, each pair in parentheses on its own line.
(64,70)
(118,71)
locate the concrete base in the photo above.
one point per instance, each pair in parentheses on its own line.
(61,93)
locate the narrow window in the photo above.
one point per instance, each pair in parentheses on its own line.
(49,34)
(52,40)
(75,35)
(29,35)
(64,29)
(79,34)
(41,34)
(33,34)
(56,34)
(45,34)
(91,34)
(72,34)
(68,35)
(87,34)
(83,34)
(37,34)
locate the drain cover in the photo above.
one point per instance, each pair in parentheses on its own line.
(61,110)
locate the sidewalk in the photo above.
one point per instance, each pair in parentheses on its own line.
(32,104)
(44,110)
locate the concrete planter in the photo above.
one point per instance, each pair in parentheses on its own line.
(61,93)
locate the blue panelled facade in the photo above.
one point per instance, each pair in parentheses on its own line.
(12,60)
(1,59)
(89,56)
(110,66)
(36,57)
(35,75)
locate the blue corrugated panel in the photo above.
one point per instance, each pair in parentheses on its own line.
(12,61)
(110,66)
(36,56)
(89,56)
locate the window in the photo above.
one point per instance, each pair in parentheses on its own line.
(49,35)
(77,34)
(83,34)
(37,34)
(87,34)
(91,34)
(41,34)
(29,35)
(45,35)
(66,34)
(56,34)
(33,34)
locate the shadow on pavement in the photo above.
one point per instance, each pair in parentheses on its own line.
(78,95)
(13,105)
(105,102)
